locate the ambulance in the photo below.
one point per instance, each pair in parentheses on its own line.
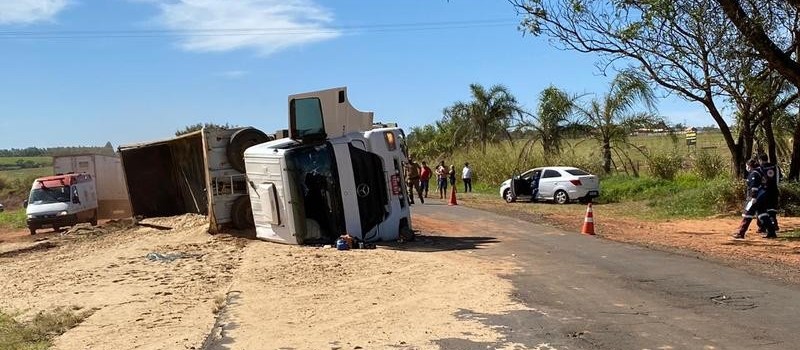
(61,201)
(336,174)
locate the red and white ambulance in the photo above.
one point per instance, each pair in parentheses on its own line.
(61,201)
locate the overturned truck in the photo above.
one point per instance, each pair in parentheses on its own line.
(336,174)
(200,172)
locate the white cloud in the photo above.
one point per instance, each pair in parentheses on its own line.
(29,11)
(264,25)
(233,74)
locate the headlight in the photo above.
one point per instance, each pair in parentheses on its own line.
(30,216)
(62,213)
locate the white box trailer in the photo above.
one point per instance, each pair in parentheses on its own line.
(112,195)
(200,172)
(311,188)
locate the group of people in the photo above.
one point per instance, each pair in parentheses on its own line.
(762,198)
(418,178)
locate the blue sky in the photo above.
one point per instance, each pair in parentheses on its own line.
(128,71)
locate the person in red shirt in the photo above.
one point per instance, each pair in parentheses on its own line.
(425,178)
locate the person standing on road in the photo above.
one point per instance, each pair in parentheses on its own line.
(466,176)
(412,181)
(755,203)
(441,179)
(425,178)
(451,175)
(770,175)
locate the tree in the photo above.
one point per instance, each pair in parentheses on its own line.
(685,46)
(485,119)
(551,119)
(615,114)
(778,45)
(199,126)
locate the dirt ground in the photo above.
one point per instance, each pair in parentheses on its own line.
(706,238)
(136,302)
(224,292)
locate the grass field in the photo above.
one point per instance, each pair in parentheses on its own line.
(13,219)
(24,174)
(38,160)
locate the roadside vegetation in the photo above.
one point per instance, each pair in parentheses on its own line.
(39,332)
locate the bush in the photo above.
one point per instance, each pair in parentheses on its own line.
(665,165)
(790,198)
(702,198)
(708,165)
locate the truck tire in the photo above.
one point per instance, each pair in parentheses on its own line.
(240,141)
(242,213)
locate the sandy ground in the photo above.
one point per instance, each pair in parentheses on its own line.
(137,303)
(271,296)
(289,297)
(226,292)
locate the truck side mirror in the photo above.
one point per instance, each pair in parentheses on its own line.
(25,203)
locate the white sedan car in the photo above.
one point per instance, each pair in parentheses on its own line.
(557,183)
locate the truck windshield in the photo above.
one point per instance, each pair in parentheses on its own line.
(46,195)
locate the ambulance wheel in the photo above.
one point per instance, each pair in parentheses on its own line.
(242,213)
(240,141)
(33,231)
(94,219)
(561,197)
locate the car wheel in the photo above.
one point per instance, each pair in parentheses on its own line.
(561,197)
(509,197)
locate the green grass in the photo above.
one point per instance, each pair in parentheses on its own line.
(13,219)
(39,332)
(48,161)
(24,174)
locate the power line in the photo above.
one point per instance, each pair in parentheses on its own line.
(222,32)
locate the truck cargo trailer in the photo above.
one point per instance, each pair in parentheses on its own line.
(200,172)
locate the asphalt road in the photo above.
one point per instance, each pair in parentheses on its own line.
(588,293)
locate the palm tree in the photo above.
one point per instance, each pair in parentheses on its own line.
(614,115)
(484,119)
(554,112)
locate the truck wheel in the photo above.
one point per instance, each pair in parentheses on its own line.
(94,219)
(406,234)
(242,213)
(240,141)
(33,231)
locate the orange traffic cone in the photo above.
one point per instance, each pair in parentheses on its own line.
(588,222)
(453,197)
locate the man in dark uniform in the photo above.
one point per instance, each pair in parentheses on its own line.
(755,203)
(770,176)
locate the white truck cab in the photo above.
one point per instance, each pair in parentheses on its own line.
(312,188)
(61,201)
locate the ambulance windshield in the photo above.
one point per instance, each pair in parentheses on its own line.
(47,195)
